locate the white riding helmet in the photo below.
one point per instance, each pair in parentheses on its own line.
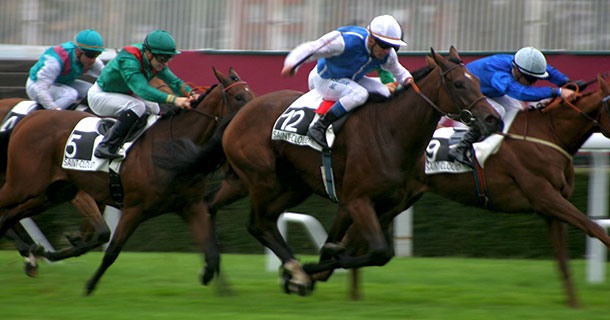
(531,61)
(386,29)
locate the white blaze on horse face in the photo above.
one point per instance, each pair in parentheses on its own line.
(467,75)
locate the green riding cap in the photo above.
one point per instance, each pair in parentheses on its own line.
(89,40)
(160,42)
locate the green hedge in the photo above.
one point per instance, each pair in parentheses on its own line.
(441,228)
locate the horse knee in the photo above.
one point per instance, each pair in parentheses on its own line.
(381,257)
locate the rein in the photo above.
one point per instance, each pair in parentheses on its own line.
(464,115)
(205,90)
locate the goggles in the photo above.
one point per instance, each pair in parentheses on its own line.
(91,53)
(163,58)
(385,45)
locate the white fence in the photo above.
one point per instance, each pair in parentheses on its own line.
(470,25)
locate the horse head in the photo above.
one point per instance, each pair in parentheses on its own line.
(460,97)
(604,119)
(224,98)
(235,91)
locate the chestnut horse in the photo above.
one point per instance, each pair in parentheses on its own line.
(35,180)
(527,176)
(373,158)
(17,234)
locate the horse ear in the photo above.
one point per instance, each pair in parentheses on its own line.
(438,59)
(454,53)
(233,74)
(431,61)
(221,77)
(603,85)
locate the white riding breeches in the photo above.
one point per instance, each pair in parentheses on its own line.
(111,104)
(62,95)
(350,93)
(504,104)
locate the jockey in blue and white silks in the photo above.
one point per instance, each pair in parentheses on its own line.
(506,81)
(53,81)
(344,57)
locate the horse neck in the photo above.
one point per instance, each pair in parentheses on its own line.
(198,124)
(570,128)
(413,118)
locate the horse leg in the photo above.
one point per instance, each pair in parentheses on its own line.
(231,190)
(130,219)
(92,216)
(263,226)
(23,246)
(200,223)
(559,241)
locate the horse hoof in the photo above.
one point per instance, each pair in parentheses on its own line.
(290,286)
(333,249)
(207,276)
(30,269)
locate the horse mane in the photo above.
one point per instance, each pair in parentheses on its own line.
(422,73)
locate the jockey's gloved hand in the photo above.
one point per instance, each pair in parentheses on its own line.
(581,84)
(167,110)
(536,106)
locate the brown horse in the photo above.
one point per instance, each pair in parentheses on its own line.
(82,201)
(527,176)
(38,142)
(373,158)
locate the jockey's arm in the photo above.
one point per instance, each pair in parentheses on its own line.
(174,82)
(96,68)
(137,82)
(400,73)
(45,77)
(330,44)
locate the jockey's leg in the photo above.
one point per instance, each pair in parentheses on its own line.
(462,151)
(116,135)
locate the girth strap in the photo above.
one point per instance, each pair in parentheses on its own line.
(481,186)
(327,175)
(116,188)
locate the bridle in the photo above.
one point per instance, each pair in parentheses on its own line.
(206,91)
(464,114)
(605,102)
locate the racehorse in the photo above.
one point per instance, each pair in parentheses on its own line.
(24,244)
(36,180)
(373,158)
(531,172)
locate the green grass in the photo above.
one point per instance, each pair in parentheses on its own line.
(165,286)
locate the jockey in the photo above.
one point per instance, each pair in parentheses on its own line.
(122,90)
(53,80)
(344,57)
(506,80)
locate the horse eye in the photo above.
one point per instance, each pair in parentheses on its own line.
(234,78)
(239,97)
(459,84)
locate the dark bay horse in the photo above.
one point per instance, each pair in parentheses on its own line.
(525,176)
(373,159)
(36,181)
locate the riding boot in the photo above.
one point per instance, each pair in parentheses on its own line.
(114,137)
(317,132)
(462,151)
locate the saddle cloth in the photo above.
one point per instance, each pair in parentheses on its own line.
(293,124)
(18,112)
(437,152)
(86,135)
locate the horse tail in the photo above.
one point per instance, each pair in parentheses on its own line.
(185,159)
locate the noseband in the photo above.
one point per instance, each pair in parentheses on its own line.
(464,114)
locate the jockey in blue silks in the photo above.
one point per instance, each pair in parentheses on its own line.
(344,58)
(53,82)
(506,80)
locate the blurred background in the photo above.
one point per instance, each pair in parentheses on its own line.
(255,35)
(470,25)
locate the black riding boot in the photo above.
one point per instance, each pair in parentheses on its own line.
(116,135)
(462,151)
(317,132)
